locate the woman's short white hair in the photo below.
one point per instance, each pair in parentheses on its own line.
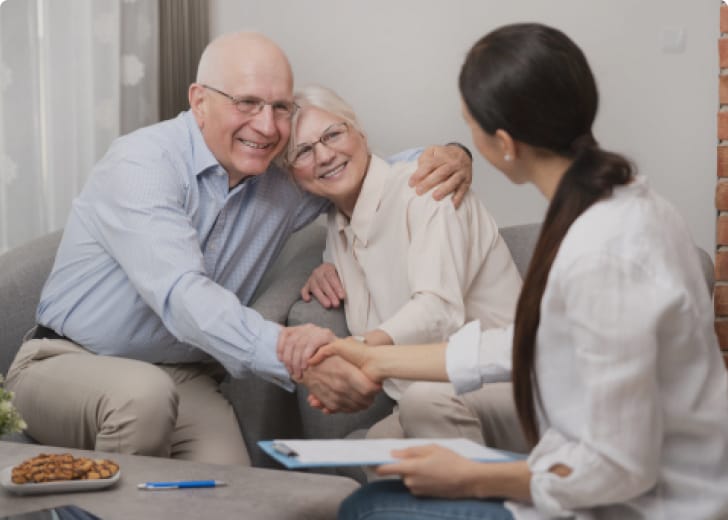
(325,99)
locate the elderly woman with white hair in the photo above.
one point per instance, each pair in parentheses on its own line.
(413,271)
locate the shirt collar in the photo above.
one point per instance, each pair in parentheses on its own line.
(367,204)
(203,158)
(201,154)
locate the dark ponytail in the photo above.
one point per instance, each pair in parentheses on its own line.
(591,177)
(533,82)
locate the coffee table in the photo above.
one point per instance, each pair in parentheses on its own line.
(251,493)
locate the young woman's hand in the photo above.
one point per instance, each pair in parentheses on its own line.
(436,471)
(433,471)
(353,351)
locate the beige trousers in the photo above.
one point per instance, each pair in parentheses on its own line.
(73,398)
(433,410)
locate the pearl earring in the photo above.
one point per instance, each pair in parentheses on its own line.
(507,157)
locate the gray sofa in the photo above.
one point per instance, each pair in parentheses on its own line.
(264,410)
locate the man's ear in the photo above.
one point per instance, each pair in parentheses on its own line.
(196,96)
(506,143)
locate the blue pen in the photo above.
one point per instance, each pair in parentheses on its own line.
(182,484)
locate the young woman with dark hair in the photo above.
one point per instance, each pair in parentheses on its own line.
(618,379)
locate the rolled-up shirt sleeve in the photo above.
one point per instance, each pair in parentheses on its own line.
(474,357)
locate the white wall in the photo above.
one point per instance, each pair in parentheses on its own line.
(396,62)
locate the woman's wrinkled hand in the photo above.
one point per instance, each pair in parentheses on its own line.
(324,284)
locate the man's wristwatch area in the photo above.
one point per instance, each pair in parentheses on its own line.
(462,147)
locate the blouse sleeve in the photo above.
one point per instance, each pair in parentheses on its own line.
(613,310)
(474,358)
(445,244)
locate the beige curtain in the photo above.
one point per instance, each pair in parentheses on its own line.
(183,34)
(74,75)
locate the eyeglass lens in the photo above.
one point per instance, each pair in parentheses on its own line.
(304,152)
(253,105)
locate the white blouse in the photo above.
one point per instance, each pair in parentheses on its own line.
(634,389)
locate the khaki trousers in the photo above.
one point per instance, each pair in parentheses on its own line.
(73,398)
(433,410)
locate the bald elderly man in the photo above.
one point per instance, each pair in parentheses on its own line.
(145,307)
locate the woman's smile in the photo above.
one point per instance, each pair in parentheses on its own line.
(333,173)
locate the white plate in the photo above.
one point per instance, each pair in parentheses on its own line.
(61,486)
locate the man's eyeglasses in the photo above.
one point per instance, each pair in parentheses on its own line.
(251,105)
(303,154)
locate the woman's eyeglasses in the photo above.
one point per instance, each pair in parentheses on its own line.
(303,154)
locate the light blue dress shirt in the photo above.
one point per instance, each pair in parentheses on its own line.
(159,258)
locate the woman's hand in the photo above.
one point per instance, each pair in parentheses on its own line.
(297,344)
(325,285)
(436,471)
(336,385)
(353,351)
(433,471)
(447,167)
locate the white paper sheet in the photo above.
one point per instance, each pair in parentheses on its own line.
(378,451)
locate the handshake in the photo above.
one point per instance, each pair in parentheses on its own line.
(339,373)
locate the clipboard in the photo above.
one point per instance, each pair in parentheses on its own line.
(311,453)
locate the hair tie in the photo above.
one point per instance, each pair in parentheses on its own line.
(583,142)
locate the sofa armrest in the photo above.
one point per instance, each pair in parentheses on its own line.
(23,271)
(313,312)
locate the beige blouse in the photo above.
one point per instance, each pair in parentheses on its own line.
(416,268)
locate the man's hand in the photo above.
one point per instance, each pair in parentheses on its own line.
(325,285)
(447,167)
(338,386)
(297,344)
